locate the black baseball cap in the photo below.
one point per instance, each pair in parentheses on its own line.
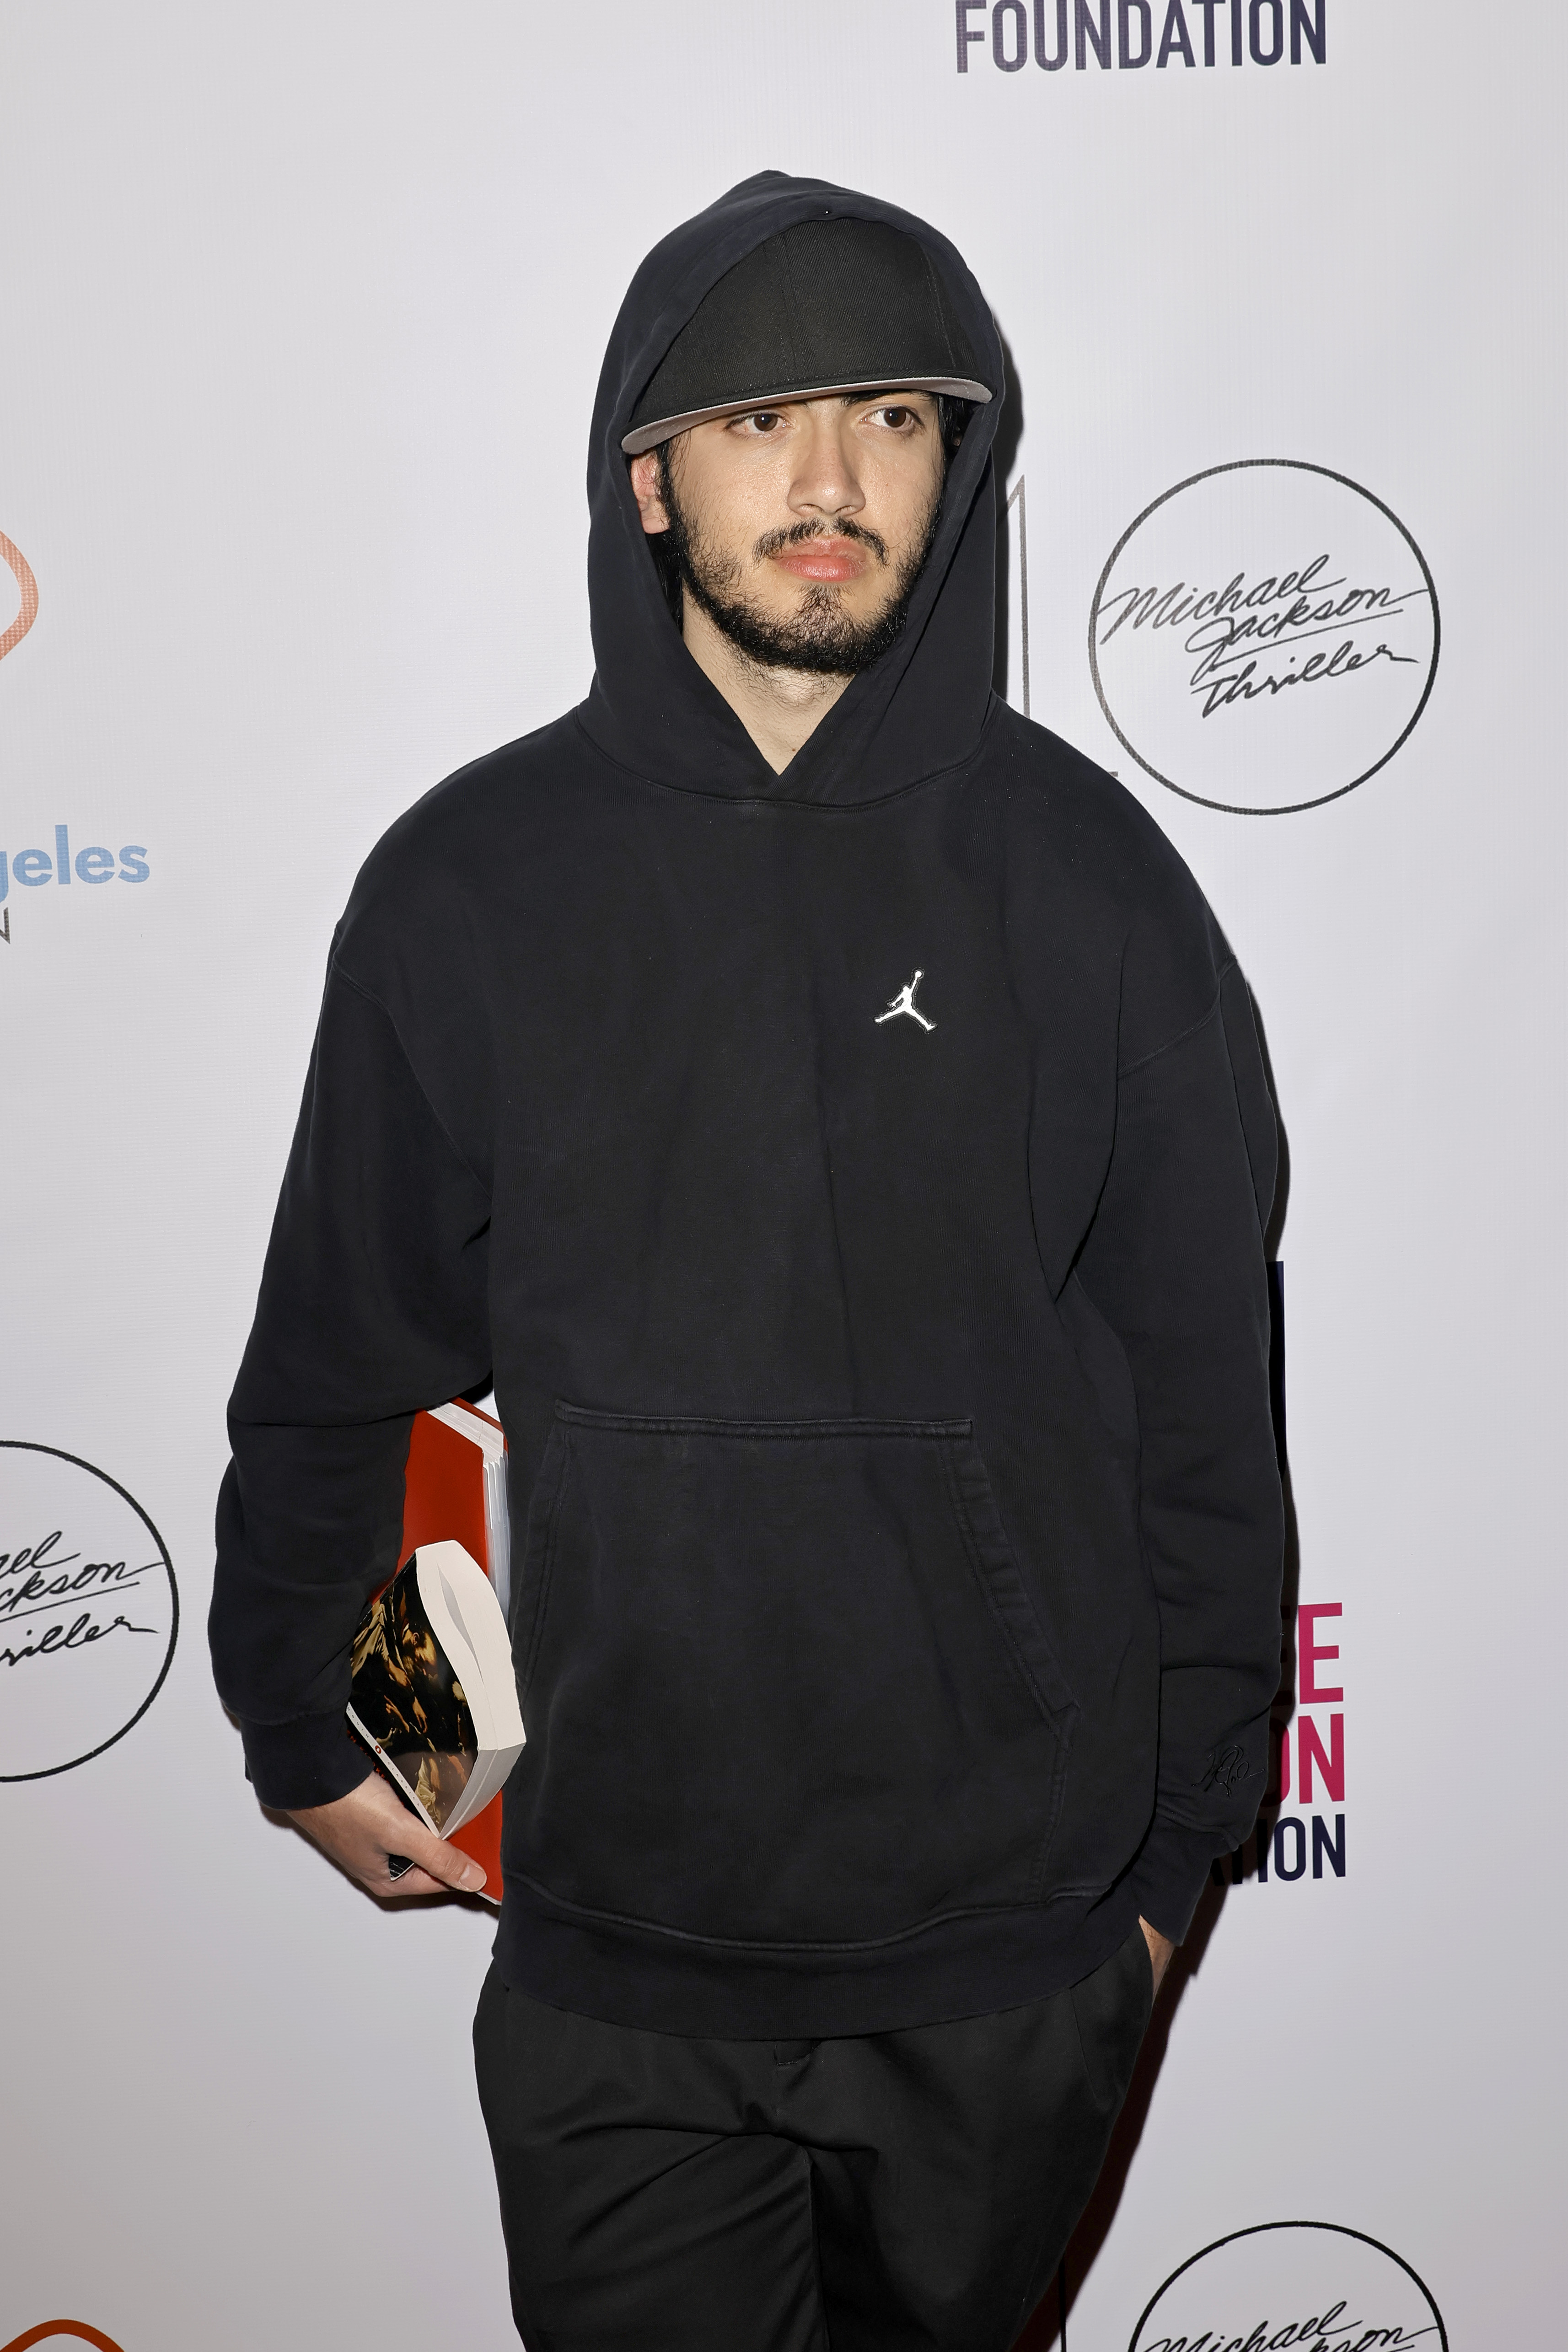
(837,305)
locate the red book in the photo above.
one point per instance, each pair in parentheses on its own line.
(454,1491)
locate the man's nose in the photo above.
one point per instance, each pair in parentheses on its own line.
(826,482)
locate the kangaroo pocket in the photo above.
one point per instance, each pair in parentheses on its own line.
(782,1681)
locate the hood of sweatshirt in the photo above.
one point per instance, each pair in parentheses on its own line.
(911,715)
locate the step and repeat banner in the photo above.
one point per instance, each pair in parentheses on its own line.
(303,308)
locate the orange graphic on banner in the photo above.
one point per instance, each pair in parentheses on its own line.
(76,2328)
(13,555)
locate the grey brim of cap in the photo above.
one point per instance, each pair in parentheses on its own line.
(664,428)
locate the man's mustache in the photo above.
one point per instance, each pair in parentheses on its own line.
(797,534)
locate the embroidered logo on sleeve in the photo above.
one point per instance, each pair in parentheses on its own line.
(1224,1767)
(905,1002)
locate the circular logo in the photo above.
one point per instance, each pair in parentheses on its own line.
(1264,636)
(52,2332)
(88,1612)
(26,610)
(1308,2283)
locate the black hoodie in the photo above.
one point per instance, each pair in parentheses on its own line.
(896,1530)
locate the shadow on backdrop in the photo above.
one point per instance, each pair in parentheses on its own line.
(1004,457)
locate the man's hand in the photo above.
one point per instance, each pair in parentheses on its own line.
(362,1831)
(1160,1950)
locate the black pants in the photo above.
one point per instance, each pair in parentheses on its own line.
(872,2194)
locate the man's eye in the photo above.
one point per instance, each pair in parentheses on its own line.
(764,420)
(895,418)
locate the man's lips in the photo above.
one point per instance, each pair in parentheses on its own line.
(822,559)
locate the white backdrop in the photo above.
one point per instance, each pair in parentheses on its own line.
(302,312)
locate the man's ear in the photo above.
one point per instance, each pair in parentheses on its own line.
(645,474)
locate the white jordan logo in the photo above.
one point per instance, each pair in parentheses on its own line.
(905,1002)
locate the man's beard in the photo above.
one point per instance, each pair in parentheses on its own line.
(819,636)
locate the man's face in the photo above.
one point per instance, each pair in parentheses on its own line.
(801,529)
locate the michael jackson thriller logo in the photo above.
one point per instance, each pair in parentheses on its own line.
(58,2336)
(1264,636)
(88,1612)
(1310,2286)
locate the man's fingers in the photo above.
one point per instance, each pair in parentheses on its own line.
(434,1867)
(410,1882)
(413,1880)
(443,1862)
(364,1831)
(1160,1951)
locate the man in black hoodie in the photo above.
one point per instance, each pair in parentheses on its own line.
(824,1104)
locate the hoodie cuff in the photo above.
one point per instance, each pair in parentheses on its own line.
(1169,1875)
(311,1761)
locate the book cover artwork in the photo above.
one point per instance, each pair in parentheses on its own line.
(405,1687)
(433,1690)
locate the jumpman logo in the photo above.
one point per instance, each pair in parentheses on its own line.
(905,1002)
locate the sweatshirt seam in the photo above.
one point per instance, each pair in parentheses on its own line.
(785,1948)
(1129,1069)
(938,294)
(778,800)
(388,1016)
(833,1425)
